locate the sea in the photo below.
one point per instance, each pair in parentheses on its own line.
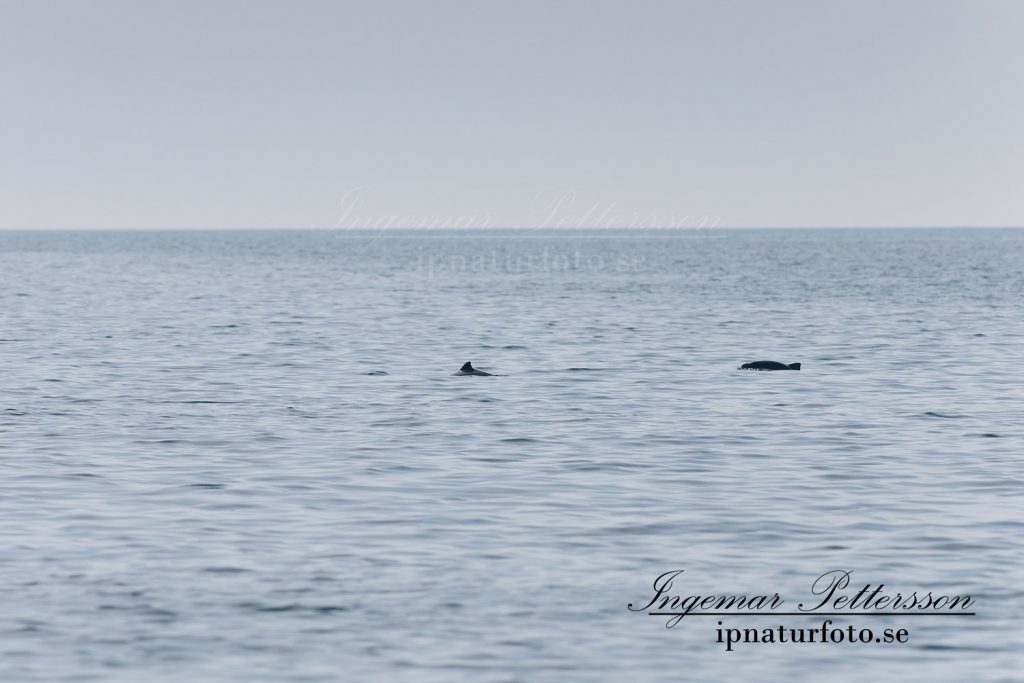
(245,456)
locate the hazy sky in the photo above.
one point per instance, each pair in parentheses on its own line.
(258,113)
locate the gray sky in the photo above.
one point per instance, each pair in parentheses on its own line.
(217,113)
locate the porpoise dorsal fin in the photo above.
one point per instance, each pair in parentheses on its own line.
(468,367)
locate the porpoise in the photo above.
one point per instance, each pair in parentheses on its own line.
(468,369)
(769,365)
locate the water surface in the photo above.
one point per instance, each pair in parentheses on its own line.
(201,481)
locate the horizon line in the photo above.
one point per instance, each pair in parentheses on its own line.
(504,227)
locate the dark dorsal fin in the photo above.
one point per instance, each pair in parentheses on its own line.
(468,367)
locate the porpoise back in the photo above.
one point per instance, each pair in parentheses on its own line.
(468,369)
(769,365)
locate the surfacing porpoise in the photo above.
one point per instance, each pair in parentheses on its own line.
(768,365)
(468,369)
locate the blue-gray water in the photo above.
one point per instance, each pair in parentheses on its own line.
(201,482)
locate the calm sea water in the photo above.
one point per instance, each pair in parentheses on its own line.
(201,481)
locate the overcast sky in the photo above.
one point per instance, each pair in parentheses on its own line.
(259,113)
